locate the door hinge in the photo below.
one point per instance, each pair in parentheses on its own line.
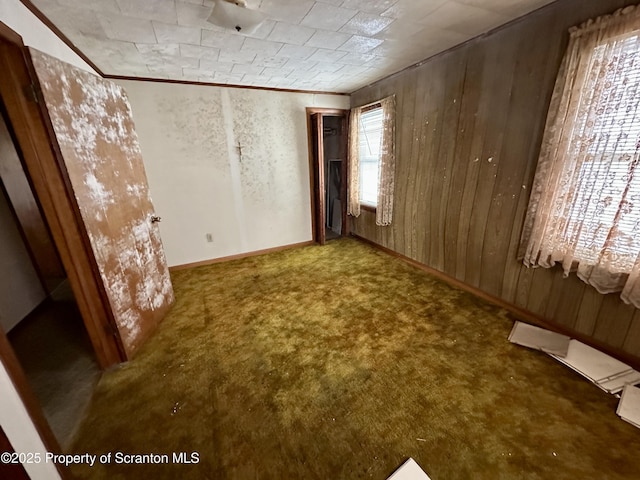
(31,93)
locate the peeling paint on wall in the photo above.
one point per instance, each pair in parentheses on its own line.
(93,125)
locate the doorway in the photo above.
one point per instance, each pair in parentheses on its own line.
(38,310)
(328,168)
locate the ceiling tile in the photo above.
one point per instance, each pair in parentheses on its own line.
(326,67)
(300,64)
(199,74)
(324,55)
(230,42)
(392,49)
(327,17)
(164,71)
(127,29)
(281,82)
(196,51)
(327,39)
(356,58)
(299,45)
(263,47)
(366,24)
(93,5)
(337,3)
(299,74)
(246,69)
(171,60)
(353,70)
(401,29)
(294,34)
(277,72)
(325,76)
(114,49)
(166,33)
(192,15)
(369,6)
(126,68)
(291,11)
(271,62)
(360,44)
(155,48)
(236,57)
(296,51)
(160,10)
(231,78)
(79,20)
(210,66)
(411,9)
(263,30)
(250,79)
(463,19)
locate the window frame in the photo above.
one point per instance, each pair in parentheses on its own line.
(364,205)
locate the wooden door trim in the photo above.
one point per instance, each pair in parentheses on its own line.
(317,175)
(42,162)
(320,184)
(7,356)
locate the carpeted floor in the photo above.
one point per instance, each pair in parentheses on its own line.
(339,362)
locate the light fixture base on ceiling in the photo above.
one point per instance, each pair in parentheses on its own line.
(235,15)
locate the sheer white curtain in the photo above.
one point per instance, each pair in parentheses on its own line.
(384,210)
(353,200)
(584,211)
(387,162)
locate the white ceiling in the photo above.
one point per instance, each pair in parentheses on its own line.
(323,45)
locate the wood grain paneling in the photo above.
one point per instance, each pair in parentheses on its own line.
(470,123)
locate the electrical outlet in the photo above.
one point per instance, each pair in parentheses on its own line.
(209,237)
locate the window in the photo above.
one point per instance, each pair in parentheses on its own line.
(584,211)
(612,139)
(370,136)
(372,159)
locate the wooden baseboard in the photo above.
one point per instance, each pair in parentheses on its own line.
(517,312)
(240,255)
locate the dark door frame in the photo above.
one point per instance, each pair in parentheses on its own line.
(32,133)
(316,171)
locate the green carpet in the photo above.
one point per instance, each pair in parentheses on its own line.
(339,362)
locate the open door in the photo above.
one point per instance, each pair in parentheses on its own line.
(92,129)
(328,171)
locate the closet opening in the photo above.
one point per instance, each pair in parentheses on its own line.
(328,170)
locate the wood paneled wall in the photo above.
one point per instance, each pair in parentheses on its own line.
(469,126)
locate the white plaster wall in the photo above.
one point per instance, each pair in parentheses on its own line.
(21,291)
(199,181)
(36,34)
(13,417)
(20,431)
